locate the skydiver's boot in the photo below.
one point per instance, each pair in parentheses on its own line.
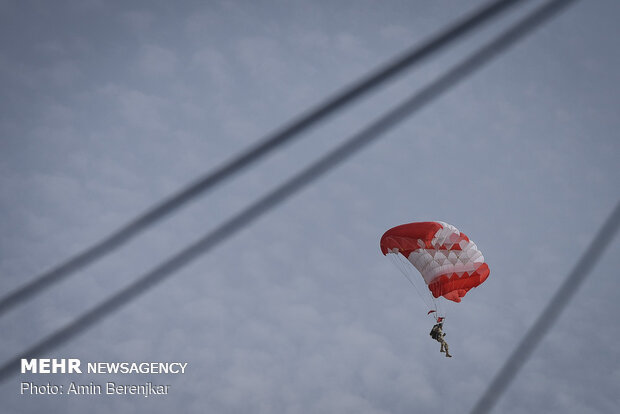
(448,355)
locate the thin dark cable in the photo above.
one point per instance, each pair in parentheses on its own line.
(266,145)
(255,210)
(550,314)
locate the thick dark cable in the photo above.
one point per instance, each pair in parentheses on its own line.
(255,210)
(549,315)
(266,145)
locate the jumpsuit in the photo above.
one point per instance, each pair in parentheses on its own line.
(438,335)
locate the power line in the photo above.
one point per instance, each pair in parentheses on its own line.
(254,153)
(308,175)
(550,314)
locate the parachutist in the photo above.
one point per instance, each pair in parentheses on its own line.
(438,335)
(448,261)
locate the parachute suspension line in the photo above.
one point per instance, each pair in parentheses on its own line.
(440,311)
(437,303)
(409,271)
(406,268)
(394,258)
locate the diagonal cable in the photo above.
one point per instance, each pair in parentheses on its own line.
(308,175)
(284,135)
(550,314)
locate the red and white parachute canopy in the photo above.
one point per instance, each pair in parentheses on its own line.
(449,262)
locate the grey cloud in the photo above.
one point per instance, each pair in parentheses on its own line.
(118,106)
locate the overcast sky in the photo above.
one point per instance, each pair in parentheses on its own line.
(108,107)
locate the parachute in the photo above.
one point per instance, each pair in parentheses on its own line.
(449,262)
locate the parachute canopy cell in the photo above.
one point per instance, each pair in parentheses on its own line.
(449,262)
